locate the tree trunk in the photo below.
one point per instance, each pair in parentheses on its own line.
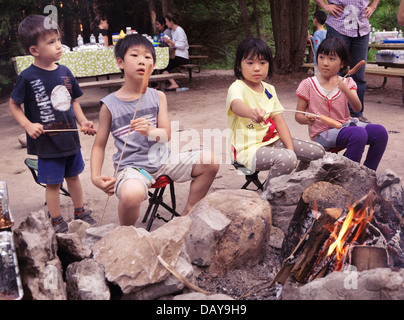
(244,17)
(256,17)
(153,15)
(290,25)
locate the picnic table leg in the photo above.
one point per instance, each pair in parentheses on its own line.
(402,89)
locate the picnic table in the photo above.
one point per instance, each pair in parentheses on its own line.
(387,69)
(102,62)
(92,63)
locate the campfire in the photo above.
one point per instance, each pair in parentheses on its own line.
(330,231)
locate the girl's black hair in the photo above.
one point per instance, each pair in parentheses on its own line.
(252,48)
(133,40)
(335,46)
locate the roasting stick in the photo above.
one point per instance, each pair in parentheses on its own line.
(355,69)
(143,88)
(324,119)
(64,130)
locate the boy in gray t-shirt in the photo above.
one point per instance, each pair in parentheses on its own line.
(142,143)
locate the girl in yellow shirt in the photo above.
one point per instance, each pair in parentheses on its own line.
(260,139)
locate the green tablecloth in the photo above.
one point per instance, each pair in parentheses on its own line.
(92,63)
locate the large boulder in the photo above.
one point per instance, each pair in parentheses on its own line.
(40,267)
(244,221)
(129,254)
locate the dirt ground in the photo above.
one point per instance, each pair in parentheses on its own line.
(199,114)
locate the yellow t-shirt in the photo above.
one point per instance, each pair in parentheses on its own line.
(246,139)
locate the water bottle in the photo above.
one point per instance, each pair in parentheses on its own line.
(101,39)
(92,39)
(183,89)
(162,38)
(80,40)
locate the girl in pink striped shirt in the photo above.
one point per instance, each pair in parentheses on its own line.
(321,95)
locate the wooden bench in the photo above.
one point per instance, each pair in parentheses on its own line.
(388,72)
(119,81)
(194,59)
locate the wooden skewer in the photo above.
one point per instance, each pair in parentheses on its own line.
(143,88)
(324,119)
(63,130)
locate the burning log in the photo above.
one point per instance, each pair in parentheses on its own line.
(329,226)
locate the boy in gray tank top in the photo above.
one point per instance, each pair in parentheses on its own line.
(142,143)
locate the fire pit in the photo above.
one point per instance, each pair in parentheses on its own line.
(330,231)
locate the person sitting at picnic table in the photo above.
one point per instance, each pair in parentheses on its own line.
(100,25)
(179,41)
(162,27)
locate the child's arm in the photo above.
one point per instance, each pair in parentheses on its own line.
(352,96)
(163,131)
(242,110)
(104,183)
(88,126)
(283,131)
(303,118)
(34,130)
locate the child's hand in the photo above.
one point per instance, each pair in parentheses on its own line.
(257,115)
(88,128)
(34,130)
(310,119)
(343,87)
(140,125)
(106,184)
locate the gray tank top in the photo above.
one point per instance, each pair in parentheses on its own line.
(140,151)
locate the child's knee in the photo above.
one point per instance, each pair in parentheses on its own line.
(132,193)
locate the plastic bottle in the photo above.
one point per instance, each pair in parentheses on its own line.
(115,38)
(400,34)
(92,39)
(162,38)
(373,35)
(128,30)
(101,39)
(80,40)
(183,89)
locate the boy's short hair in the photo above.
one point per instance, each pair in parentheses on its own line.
(133,40)
(251,48)
(320,16)
(32,28)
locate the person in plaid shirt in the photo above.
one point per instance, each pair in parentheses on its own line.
(349,20)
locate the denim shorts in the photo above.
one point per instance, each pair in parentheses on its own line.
(54,170)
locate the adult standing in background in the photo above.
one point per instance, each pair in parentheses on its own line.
(100,25)
(349,20)
(179,40)
(400,15)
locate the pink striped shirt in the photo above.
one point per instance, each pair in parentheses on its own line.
(353,21)
(335,106)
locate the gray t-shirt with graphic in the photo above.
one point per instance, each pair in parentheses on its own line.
(140,151)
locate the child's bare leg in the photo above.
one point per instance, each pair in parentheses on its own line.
(203,174)
(53,200)
(131,195)
(75,190)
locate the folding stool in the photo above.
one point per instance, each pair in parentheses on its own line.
(156,199)
(32,165)
(250,176)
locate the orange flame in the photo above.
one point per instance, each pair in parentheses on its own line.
(358,220)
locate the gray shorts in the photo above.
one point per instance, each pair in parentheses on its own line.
(178,167)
